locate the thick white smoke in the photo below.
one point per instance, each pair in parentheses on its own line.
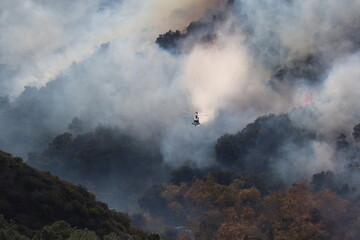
(335,106)
(302,163)
(285,30)
(40,39)
(134,84)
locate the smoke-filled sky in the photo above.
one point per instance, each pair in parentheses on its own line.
(97,60)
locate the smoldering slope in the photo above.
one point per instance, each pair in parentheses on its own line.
(282,32)
(98,61)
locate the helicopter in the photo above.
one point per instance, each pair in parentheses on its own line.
(196,120)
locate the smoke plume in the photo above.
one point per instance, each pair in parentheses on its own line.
(98,61)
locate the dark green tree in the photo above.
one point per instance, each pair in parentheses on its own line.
(341,143)
(356,133)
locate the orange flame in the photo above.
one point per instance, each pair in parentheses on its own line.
(309,98)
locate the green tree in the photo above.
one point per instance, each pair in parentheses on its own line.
(59,230)
(8,231)
(83,234)
(112,236)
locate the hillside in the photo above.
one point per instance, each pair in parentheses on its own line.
(32,199)
(104,160)
(97,101)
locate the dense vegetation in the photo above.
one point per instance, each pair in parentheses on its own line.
(218,211)
(247,200)
(221,206)
(40,206)
(103,156)
(241,195)
(279,178)
(260,142)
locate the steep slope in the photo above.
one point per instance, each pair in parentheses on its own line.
(32,199)
(106,161)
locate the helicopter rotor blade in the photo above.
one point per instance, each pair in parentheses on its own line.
(192,113)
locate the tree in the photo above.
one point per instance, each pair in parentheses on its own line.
(59,230)
(292,216)
(112,236)
(356,133)
(324,180)
(76,126)
(9,231)
(341,143)
(83,234)
(61,142)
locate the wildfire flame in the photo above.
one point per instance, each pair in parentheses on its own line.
(308,100)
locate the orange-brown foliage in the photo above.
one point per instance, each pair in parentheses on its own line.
(227,212)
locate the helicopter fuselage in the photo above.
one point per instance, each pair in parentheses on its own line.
(196,123)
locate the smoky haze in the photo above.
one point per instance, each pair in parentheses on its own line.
(98,61)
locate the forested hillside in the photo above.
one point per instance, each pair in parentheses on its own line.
(99,99)
(41,206)
(243,194)
(223,206)
(116,166)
